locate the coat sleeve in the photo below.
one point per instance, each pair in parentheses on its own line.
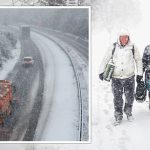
(138,62)
(106,59)
(144,58)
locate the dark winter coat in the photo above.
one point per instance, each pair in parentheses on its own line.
(146,59)
(146,66)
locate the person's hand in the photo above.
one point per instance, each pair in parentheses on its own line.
(101,76)
(138,78)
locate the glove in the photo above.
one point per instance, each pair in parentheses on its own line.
(138,78)
(101,76)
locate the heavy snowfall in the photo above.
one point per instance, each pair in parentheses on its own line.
(47,62)
(109,18)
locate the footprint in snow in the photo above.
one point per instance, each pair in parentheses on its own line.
(124,136)
(123,140)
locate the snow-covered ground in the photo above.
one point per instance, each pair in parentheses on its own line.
(9,64)
(127,136)
(62,104)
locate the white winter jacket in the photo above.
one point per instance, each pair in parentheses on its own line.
(126,63)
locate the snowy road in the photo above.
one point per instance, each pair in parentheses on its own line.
(29,97)
(80,67)
(63,106)
(80,45)
(49,105)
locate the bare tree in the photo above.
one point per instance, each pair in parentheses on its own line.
(48,2)
(52,2)
(39,2)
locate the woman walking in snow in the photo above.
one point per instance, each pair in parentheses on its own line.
(124,54)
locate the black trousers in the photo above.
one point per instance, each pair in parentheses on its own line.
(120,87)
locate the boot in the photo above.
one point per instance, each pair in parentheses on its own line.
(118,120)
(130,118)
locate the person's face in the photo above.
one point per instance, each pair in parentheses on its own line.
(124,39)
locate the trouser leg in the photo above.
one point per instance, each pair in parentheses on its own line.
(117,91)
(149,94)
(129,86)
(149,98)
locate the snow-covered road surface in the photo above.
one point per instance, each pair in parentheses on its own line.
(61,109)
(62,123)
(80,46)
(29,100)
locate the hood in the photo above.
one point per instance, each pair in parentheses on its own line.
(123,32)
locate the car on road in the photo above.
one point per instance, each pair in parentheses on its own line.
(27,61)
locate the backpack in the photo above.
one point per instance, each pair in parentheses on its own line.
(113,51)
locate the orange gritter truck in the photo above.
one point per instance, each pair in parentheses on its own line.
(6,98)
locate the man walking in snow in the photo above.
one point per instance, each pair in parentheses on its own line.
(126,60)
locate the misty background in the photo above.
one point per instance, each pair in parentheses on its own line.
(72,21)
